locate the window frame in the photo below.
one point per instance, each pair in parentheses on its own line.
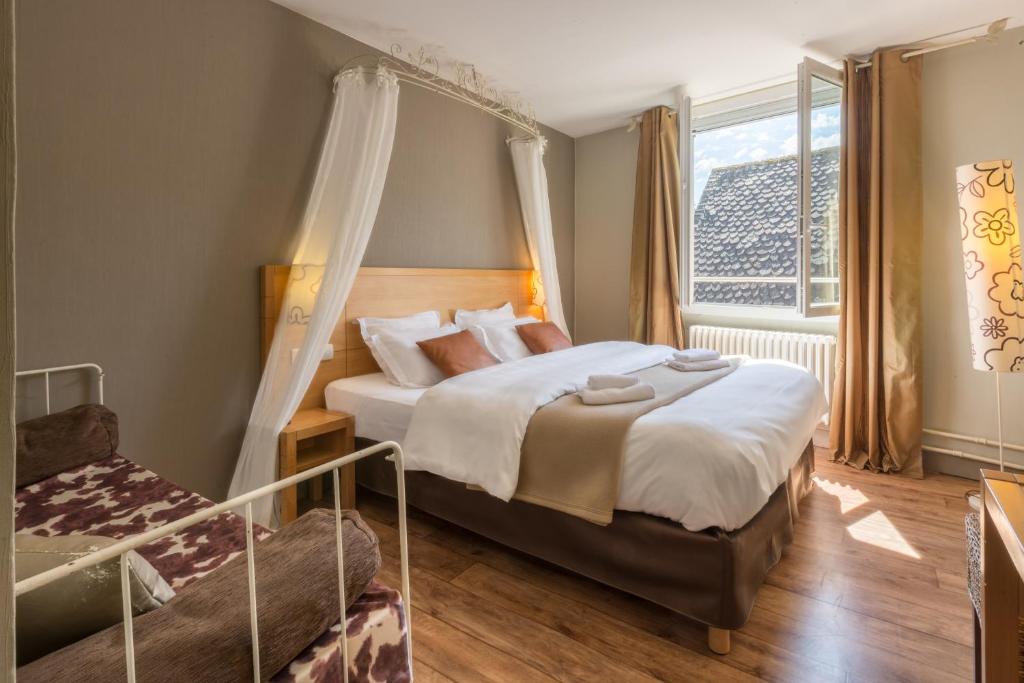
(752,110)
(807,71)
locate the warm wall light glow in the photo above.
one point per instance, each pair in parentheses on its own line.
(849,497)
(537,289)
(877,530)
(990,234)
(300,296)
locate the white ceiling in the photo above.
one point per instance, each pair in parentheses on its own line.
(587,65)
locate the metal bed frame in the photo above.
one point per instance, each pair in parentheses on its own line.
(245,500)
(46,372)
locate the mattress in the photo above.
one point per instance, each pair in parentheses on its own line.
(117,498)
(710,459)
(382,410)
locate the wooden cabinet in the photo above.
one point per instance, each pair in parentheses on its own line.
(313,437)
(1002,569)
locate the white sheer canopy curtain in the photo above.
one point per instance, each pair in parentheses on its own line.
(532,184)
(335,230)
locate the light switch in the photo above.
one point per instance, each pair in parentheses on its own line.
(328,353)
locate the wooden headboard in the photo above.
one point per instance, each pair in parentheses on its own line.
(391,292)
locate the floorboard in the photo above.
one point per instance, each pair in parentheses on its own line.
(873,589)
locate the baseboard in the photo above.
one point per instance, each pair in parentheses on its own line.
(943,463)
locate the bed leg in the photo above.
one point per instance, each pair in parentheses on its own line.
(719,640)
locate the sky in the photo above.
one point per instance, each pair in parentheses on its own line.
(757,140)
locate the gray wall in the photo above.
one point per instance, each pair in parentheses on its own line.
(166,152)
(959,129)
(605,184)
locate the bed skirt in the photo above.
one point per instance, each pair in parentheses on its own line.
(711,576)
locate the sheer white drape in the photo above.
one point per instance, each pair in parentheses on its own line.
(532,183)
(335,229)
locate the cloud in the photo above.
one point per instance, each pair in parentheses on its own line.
(789,145)
(706,164)
(758,153)
(824,120)
(825,141)
(742,153)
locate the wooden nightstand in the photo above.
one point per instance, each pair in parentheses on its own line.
(313,437)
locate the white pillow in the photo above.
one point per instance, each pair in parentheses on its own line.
(485,316)
(371,326)
(503,341)
(44,622)
(368,327)
(407,363)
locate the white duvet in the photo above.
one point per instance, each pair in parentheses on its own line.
(712,458)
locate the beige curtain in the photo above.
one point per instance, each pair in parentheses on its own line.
(876,409)
(654,316)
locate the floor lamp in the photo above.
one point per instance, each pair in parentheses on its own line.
(992,271)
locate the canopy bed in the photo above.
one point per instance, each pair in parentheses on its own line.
(338,221)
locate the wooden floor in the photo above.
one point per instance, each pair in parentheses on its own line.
(872,589)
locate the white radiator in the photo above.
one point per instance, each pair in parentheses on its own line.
(816,352)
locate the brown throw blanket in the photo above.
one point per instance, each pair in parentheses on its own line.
(571,458)
(202,634)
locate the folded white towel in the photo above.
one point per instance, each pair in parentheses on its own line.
(611,381)
(695,355)
(699,366)
(600,397)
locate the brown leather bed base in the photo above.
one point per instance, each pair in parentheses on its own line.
(711,576)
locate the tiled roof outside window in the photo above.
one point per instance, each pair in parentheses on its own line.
(746,226)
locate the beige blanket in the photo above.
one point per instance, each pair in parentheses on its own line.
(572,454)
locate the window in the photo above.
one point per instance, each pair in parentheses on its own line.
(765,197)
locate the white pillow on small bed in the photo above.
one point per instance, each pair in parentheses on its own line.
(485,316)
(368,327)
(406,364)
(45,624)
(503,341)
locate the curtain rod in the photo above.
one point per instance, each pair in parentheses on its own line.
(992,31)
(469,87)
(635,120)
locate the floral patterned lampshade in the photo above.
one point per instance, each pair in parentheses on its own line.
(992,264)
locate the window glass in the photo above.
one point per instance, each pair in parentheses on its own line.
(824,226)
(744,236)
(744,239)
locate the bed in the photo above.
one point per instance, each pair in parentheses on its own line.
(116,498)
(697,539)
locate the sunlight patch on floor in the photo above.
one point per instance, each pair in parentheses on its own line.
(849,497)
(877,530)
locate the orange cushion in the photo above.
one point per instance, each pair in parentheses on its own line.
(543,337)
(454,354)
